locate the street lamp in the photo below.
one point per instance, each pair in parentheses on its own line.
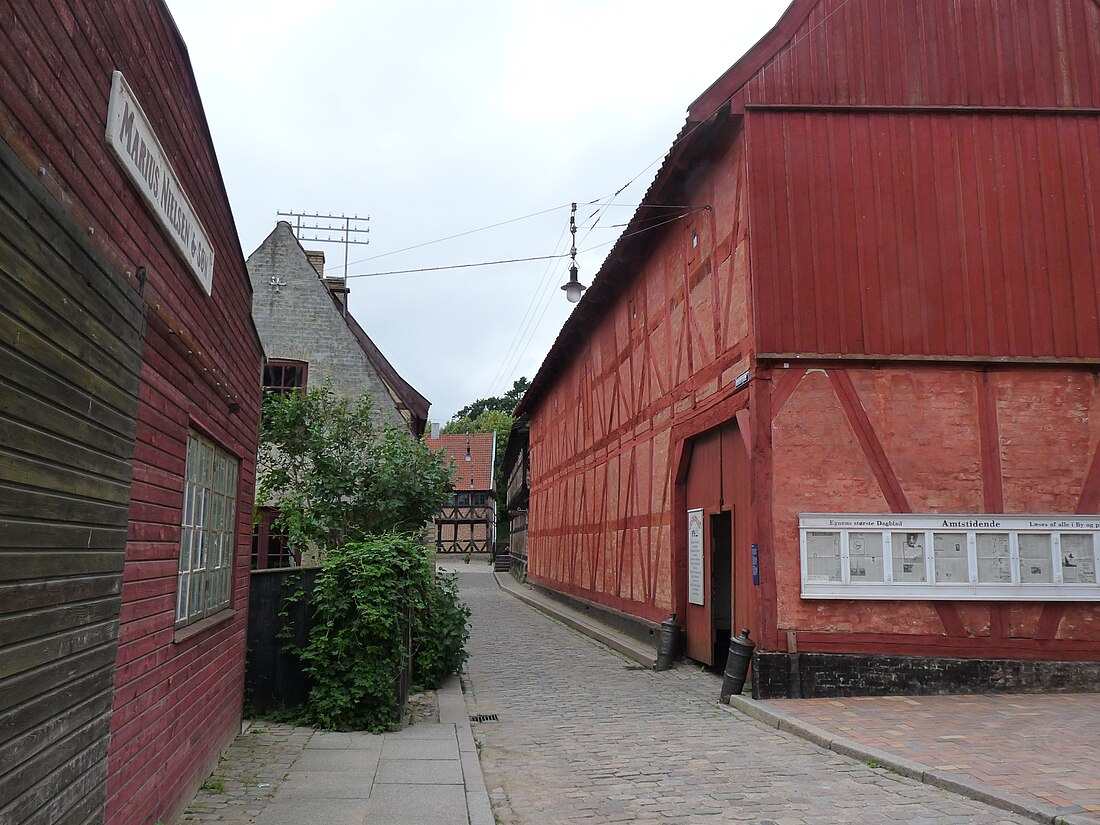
(573,288)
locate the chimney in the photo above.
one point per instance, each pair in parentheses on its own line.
(337,286)
(435,429)
(317,258)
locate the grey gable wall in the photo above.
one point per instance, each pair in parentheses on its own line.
(300,322)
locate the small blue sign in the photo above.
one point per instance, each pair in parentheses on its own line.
(755,565)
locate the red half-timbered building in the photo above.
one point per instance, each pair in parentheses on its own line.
(129,412)
(849,399)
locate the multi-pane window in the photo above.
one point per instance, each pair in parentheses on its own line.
(207,538)
(281,377)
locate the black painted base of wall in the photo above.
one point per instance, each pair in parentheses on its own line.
(625,623)
(813,675)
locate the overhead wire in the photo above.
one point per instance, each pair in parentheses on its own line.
(505,364)
(453,237)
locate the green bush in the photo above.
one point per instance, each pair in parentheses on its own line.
(368,594)
(439,633)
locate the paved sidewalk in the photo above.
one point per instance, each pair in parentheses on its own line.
(424,774)
(585,735)
(1042,750)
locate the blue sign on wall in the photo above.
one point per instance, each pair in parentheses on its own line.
(755,565)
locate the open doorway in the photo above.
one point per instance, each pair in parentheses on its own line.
(721,584)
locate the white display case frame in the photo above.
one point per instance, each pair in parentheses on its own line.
(928,525)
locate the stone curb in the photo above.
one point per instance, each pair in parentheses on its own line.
(452,705)
(971,788)
(619,642)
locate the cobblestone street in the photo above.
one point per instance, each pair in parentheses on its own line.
(585,735)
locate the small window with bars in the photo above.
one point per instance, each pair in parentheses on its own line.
(281,377)
(208,534)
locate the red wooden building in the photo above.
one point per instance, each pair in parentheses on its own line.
(130,410)
(876,311)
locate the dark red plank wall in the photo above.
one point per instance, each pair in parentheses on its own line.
(176,701)
(924,180)
(993,53)
(926,234)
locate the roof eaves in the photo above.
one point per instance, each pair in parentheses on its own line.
(414,402)
(709,108)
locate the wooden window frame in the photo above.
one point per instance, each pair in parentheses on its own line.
(282,388)
(208,531)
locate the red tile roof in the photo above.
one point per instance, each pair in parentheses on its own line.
(480,466)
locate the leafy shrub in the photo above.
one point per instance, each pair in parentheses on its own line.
(439,633)
(336,476)
(368,595)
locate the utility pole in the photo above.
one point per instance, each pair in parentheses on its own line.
(341,229)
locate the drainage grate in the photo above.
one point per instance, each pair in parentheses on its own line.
(484,717)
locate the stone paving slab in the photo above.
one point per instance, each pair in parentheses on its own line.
(421,748)
(301,785)
(419,772)
(1042,746)
(416,805)
(315,812)
(361,762)
(282,775)
(585,736)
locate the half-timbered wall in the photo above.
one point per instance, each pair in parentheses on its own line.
(603,443)
(920,180)
(177,694)
(932,439)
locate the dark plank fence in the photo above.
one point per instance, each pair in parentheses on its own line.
(273,677)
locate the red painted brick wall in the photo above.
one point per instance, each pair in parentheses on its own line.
(1044,432)
(175,703)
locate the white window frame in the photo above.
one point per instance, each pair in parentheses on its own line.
(928,525)
(208,534)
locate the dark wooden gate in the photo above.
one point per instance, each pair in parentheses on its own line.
(70,365)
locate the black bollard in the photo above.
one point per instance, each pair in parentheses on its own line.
(666,643)
(737,666)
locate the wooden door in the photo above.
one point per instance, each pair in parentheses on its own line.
(704,495)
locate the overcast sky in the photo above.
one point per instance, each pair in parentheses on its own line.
(438,118)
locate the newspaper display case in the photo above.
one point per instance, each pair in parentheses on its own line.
(950,557)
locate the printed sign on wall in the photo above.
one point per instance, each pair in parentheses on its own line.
(134,143)
(695,557)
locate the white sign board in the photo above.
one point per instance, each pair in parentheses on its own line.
(695,557)
(131,138)
(954,557)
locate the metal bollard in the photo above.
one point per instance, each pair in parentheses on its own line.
(666,643)
(737,665)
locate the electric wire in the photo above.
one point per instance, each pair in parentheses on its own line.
(457,235)
(505,364)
